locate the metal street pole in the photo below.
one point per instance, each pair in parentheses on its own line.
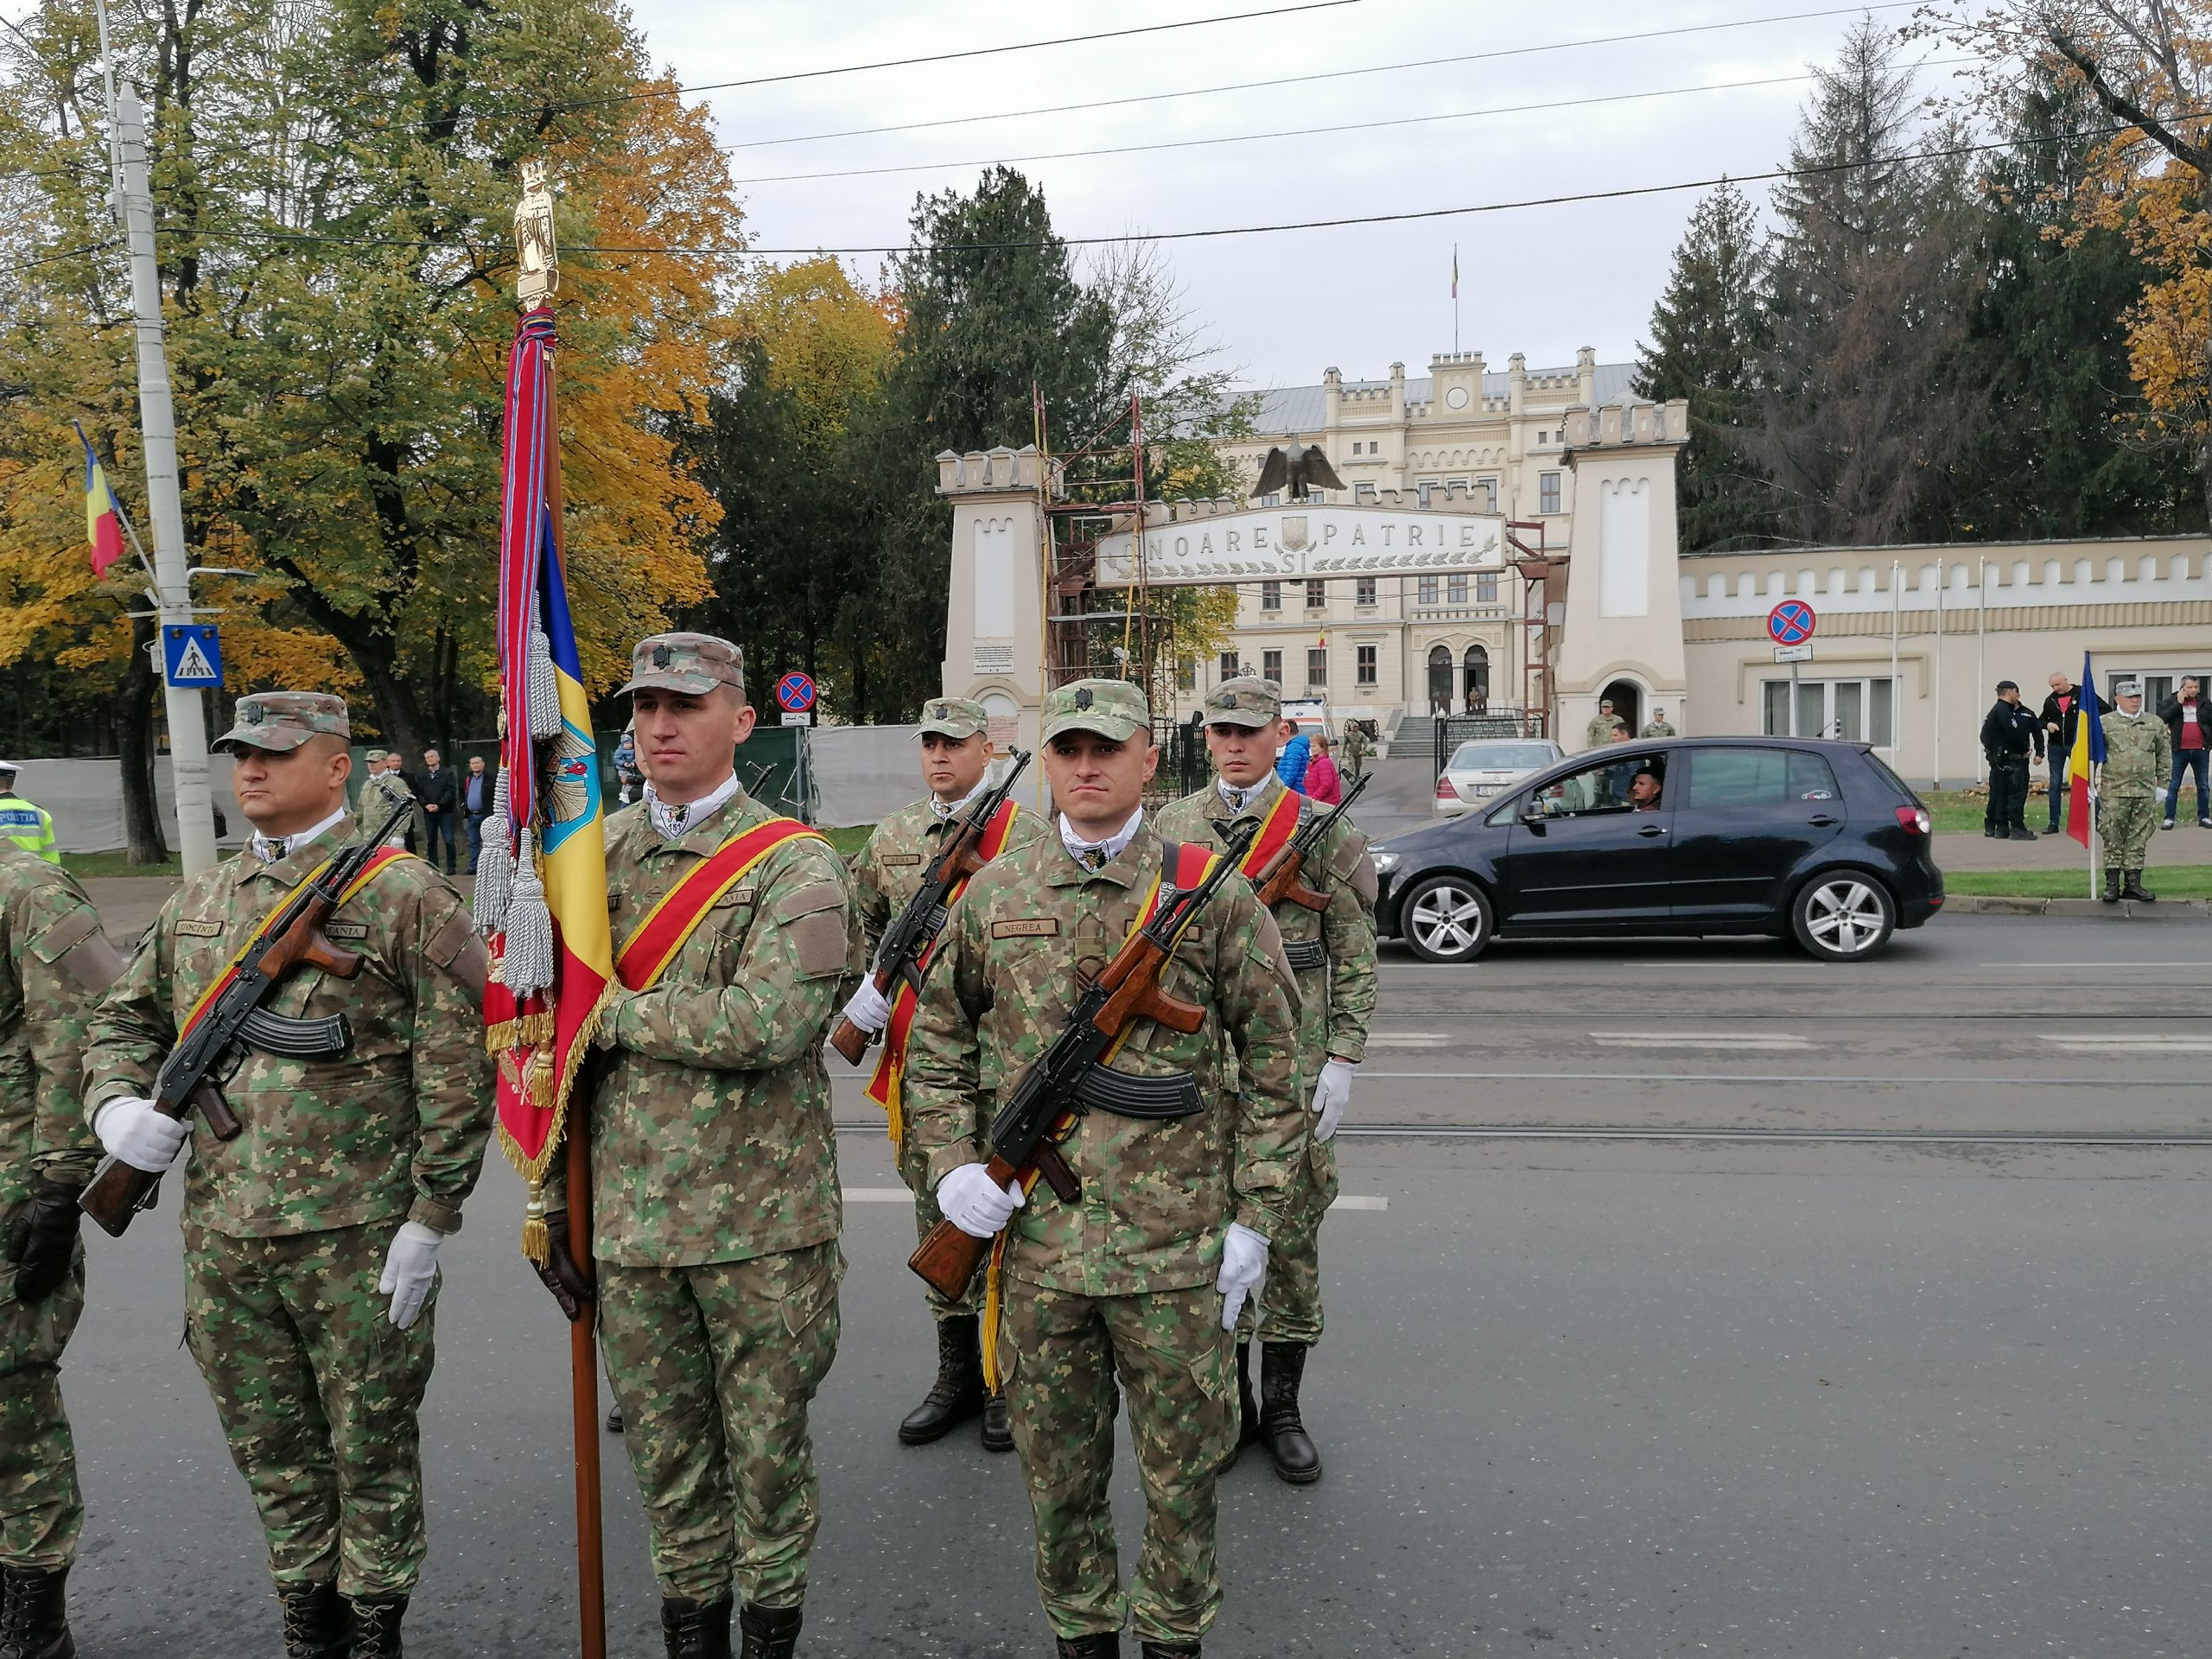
(171,594)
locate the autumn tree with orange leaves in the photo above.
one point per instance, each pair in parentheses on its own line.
(335,186)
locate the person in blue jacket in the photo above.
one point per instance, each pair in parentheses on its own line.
(1290,765)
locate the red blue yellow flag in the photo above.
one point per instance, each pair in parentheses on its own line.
(103,516)
(2088,753)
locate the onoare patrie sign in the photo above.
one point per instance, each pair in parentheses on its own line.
(1312,542)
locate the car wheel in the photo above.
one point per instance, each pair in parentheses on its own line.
(1446,919)
(1844,917)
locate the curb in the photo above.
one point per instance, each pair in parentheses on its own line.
(2177,910)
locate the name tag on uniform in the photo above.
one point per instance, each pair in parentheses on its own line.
(347,930)
(1028,927)
(199,929)
(902,858)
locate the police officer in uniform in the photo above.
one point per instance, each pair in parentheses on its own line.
(715,1202)
(311,1241)
(54,963)
(1657,726)
(2010,733)
(2138,756)
(955,754)
(1127,1300)
(27,824)
(1332,952)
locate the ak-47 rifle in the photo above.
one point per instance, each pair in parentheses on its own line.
(1071,1076)
(192,1076)
(1278,880)
(907,940)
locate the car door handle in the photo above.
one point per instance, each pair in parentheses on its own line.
(1823,820)
(1652,831)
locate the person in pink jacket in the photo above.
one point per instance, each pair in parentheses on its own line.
(1321,782)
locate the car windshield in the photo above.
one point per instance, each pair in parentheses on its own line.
(1501,757)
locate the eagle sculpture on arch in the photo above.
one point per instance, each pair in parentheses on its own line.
(1297,471)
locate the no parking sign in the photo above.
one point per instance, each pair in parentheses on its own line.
(1791,622)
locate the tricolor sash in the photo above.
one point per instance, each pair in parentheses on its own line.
(380,860)
(1277,828)
(654,943)
(891,1066)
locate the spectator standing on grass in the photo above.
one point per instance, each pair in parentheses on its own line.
(2009,734)
(2187,719)
(1322,783)
(439,791)
(2062,713)
(475,806)
(1291,765)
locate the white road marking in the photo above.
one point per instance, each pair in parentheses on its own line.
(1357,1201)
(2150,1043)
(1774,1040)
(1408,1039)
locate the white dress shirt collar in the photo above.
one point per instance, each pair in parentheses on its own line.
(271,849)
(670,823)
(1096,855)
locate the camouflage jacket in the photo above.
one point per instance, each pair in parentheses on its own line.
(1157,1195)
(395,1126)
(711,1138)
(54,963)
(1333,952)
(1599,732)
(888,871)
(2138,758)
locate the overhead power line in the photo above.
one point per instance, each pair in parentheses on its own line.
(1327,74)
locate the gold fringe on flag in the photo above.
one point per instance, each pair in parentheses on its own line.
(993,1309)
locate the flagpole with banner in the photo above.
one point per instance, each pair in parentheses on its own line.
(2082,765)
(541,886)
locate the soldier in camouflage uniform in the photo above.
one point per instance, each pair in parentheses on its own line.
(716,1210)
(1140,1282)
(54,963)
(1603,725)
(2138,757)
(955,754)
(1332,952)
(1657,725)
(311,1241)
(384,788)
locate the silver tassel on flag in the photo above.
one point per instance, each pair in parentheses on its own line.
(495,863)
(545,690)
(526,965)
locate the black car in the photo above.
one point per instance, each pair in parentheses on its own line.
(1685,835)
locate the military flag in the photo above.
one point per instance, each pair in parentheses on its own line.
(2088,753)
(103,513)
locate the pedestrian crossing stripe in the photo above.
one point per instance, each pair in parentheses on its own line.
(193,667)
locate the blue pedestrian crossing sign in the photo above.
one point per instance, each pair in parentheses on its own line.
(191,656)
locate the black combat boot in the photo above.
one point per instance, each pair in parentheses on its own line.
(2131,887)
(998,1433)
(35,1613)
(1101,1645)
(2112,885)
(957,1394)
(695,1630)
(769,1632)
(614,1420)
(318,1624)
(375,1626)
(1168,1649)
(1283,1365)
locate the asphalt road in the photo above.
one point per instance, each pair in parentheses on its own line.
(1894,1397)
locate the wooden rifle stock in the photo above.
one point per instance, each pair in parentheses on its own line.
(1280,881)
(948,1258)
(960,860)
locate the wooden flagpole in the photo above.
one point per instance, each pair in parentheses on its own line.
(539,276)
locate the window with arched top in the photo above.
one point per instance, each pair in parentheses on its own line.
(1475,667)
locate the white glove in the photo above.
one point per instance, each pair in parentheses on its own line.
(869,1009)
(410,1268)
(1243,1270)
(975,1204)
(2161,797)
(135,1133)
(1331,1096)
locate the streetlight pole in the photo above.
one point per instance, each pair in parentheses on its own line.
(172,591)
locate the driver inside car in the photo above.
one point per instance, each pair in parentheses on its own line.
(1643,791)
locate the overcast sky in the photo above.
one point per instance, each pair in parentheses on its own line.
(1287,306)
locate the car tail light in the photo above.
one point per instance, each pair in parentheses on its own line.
(1913,820)
(1444,791)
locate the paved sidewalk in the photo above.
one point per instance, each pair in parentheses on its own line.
(2184,844)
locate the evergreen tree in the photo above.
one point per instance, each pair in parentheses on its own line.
(1707,332)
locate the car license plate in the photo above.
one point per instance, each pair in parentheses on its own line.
(1482,790)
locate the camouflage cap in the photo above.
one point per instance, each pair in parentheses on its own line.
(1112,709)
(2128,688)
(284,719)
(1246,701)
(375,756)
(954,717)
(694,664)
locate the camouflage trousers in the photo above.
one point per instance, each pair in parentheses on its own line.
(914,1170)
(1062,1354)
(714,1367)
(1288,1306)
(317,1392)
(40,1511)
(2126,828)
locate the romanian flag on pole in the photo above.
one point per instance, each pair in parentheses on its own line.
(541,890)
(1455,270)
(103,516)
(2088,753)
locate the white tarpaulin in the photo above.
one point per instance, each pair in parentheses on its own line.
(862,773)
(86,798)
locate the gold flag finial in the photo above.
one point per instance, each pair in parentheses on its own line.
(537,258)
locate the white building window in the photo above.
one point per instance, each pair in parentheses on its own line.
(1317,594)
(1317,667)
(1228,668)
(1363,591)
(1853,711)
(1271,665)
(1486,492)
(1271,595)
(1364,666)
(1427,590)
(1486,587)
(1547,492)
(1455,587)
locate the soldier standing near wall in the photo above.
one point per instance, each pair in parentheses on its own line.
(714,1202)
(1332,952)
(2139,755)
(1603,726)
(1127,1298)
(955,754)
(1657,726)
(311,1240)
(54,963)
